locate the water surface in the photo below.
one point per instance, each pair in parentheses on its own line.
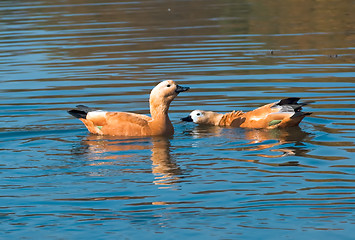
(60,182)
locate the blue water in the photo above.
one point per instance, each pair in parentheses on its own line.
(60,182)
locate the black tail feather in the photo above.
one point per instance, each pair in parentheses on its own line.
(84,108)
(288,101)
(80,111)
(293,103)
(299,113)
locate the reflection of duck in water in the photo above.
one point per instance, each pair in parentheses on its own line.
(164,168)
(284,113)
(132,124)
(258,139)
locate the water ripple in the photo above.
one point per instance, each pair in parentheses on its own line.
(246,183)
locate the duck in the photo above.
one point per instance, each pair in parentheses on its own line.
(284,113)
(129,124)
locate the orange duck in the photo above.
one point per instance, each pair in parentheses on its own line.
(132,124)
(284,113)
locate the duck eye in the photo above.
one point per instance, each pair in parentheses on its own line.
(168,85)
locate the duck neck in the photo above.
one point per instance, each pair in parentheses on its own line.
(160,124)
(159,112)
(211,118)
(217,118)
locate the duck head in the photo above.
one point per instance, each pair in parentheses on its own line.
(165,92)
(203,117)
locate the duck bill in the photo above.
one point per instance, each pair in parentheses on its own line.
(187,119)
(180,89)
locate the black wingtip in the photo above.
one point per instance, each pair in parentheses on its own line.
(293,101)
(292,105)
(80,111)
(288,101)
(77,113)
(301,114)
(84,108)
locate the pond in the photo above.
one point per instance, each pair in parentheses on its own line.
(60,182)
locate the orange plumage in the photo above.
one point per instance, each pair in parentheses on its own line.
(284,113)
(132,124)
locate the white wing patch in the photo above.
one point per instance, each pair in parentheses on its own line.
(95,114)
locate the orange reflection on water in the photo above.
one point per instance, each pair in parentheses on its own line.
(259,139)
(103,148)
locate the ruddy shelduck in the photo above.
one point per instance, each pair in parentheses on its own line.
(284,113)
(132,124)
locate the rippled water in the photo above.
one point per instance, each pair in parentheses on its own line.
(59,182)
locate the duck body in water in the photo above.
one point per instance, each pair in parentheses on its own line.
(133,124)
(284,113)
